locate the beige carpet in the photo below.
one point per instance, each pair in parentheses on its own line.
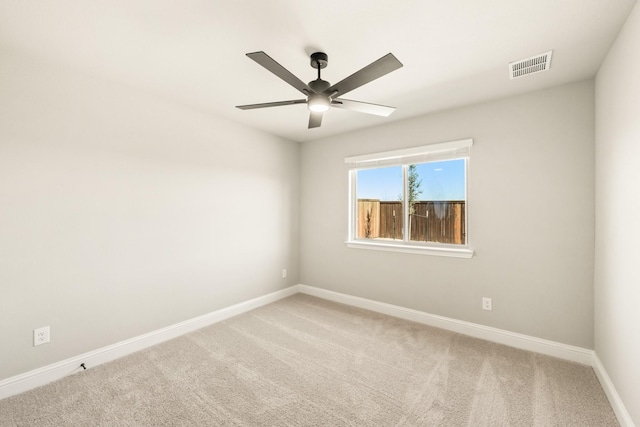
(303,361)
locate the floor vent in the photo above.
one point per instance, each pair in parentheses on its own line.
(534,64)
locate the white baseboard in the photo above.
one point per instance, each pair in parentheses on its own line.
(512,339)
(38,377)
(612,394)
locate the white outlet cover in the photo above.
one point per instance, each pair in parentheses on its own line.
(486,304)
(41,335)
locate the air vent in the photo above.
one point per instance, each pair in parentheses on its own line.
(532,65)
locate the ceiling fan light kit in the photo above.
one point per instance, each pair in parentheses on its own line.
(320,94)
(318,103)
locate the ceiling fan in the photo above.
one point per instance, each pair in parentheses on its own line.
(320,94)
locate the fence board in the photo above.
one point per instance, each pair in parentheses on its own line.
(431,221)
(391,220)
(368,219)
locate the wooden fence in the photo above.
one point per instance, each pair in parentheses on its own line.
(441,221)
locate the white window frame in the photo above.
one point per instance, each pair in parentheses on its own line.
(451,150)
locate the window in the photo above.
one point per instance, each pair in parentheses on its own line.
(422,187)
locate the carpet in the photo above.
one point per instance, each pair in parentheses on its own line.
(304,361)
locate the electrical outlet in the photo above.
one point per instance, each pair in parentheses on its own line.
(41,336)
(486,304)
(284,273)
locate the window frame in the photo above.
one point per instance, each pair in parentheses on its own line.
(460,149)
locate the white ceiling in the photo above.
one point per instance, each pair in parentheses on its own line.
(454,52)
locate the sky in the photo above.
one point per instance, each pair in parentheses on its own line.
(440,181)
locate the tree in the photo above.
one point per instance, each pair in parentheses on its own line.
(414,182)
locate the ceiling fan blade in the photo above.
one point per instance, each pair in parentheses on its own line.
(270,64)
(271,104)
(363,107)
(315,120)
(376,69)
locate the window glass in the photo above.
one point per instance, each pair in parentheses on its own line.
(436,196)
(437,201)
(379,194)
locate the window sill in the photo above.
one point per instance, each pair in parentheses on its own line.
(446,251)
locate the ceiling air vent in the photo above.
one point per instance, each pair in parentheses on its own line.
(532,65)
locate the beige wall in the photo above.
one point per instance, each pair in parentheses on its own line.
(531,219)
(617,272)
(121,213)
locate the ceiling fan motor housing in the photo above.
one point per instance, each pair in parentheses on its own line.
(319,85)
(318,101)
